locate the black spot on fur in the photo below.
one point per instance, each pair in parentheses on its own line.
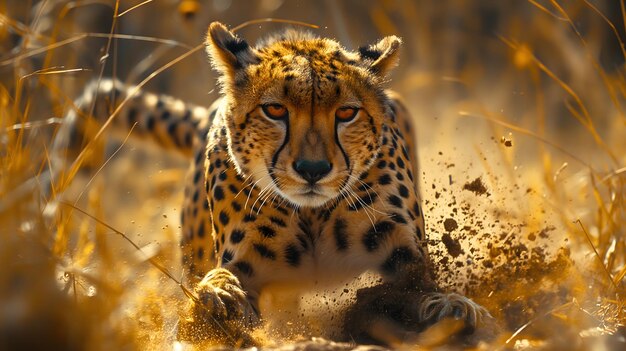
(405,153)
(279,222)
(227,256)
(264,251)
(249,218)
(200,253)
(236,206)
(403,190)
(365,187)
(418,233)
(292,255)
(236,236)
(224,219)
(303,241)
(201,229)
(416,209)
(399,256)
(199,157)
(196,196)
(282,210)
(379,232)
(196,177)
(395,201)
(171,129)
(398,218)
(306,230)
(363,201)
(150,123)
(341,237)
(382,164)
(400,162)
(245,268)
(233,189)
(218,193)
(267,231)
(384,179)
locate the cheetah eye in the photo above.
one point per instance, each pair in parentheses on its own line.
(275,111)
(346,113)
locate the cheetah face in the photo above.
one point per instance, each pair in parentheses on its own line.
(304,116)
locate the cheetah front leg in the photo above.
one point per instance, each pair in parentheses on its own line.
(222,312)
(408,304)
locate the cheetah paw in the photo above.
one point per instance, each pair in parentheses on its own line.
(438,306)
(221,312)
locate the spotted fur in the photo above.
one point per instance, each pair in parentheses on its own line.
(251,219)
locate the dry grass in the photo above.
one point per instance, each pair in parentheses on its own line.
(529,97)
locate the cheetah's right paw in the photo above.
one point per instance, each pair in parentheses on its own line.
(437,306)
(221,313)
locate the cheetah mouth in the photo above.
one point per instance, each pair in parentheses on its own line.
(310,196)
(312,191)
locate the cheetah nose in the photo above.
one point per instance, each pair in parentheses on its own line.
(312,171)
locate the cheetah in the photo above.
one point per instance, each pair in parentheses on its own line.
(303,173)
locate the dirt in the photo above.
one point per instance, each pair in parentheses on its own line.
(450,224)
(477,187)
(453,246)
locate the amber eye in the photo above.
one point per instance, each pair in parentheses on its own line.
(346,114)
(275,111)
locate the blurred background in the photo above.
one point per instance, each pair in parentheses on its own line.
(525,98)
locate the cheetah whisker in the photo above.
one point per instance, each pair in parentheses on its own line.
(261,194)
(247,182)
(370,196)
(351,193)
(250,193)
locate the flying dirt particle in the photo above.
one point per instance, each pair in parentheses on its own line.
(506,142)
(544,232)
(453,246)
(450,224)
(477,187)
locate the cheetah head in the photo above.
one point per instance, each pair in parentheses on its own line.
(303,114)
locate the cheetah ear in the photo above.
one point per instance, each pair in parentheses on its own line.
(228,52)
(381,57)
